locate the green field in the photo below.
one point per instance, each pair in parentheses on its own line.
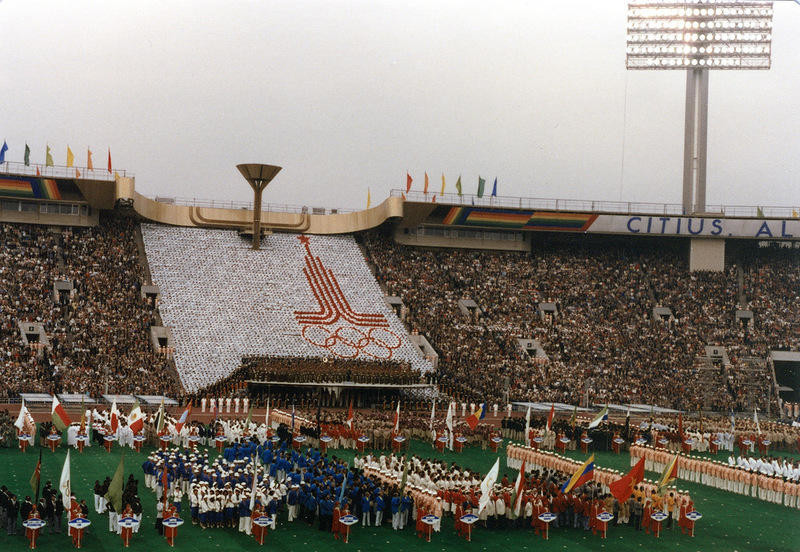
(730,522)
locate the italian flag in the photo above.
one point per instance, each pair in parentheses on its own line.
(135,419)
(60,418)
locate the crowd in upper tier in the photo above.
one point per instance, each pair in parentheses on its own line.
(99,333)
(603,339)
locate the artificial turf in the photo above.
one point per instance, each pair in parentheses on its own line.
(730,522)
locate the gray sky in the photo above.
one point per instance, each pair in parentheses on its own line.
(347,95)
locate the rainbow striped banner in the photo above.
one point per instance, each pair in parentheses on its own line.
(519,220)
(29,187)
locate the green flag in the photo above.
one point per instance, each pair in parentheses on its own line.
(249,417)
(37,475)
(481,185)
(458,184)
(114,494)
(27,155)
(48,160)
(405,476)
(760,212)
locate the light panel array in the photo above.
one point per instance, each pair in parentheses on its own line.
(702,34)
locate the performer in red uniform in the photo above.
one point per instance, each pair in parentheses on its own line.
(53,443)
(219,443)
(259,532)
(23,443)
(614,443)
(31,534)
(74,513)
(170,532)
(561,446)
(584,445)
(126,532)
(335,524)
(492,443)
(458,445)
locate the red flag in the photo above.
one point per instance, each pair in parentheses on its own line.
(109,160)
(114,416)
(425,189)
(550,416)
(622,488)
(37,171)
(409,180)
(350,415)
(397,419)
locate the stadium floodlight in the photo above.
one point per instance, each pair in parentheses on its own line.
(698,36)
(258,176)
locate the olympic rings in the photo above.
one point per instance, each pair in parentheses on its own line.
(351,342)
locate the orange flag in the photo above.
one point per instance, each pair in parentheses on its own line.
(425,190)
(77,173)
(89,164)
(37,171)
(109,160)
(409,180)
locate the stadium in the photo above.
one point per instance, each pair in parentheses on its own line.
(448,366)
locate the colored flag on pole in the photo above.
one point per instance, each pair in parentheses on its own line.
(442,184)
(114,494)
(733,422)
(795,214)
(266,416)
(37,171)
(623,487)
(550,417)
(64,484)
(114,417)
(292,418)
(397,419)
(70,157)
(25,421)
(759,212)
(350,415)
(574,417)
(27,155)
(433,414)
(458,184)
(528,426)
(755,421)
(77,173)
(89,164)
(601,417)
(680,424)
(37,476)
(494,188)
(48,158)
(519,489)
(425,189)
(582,475)
(409,180)
(60,418)
(82,428)
(479,414)
(487,485)
(109,160)
(404,477)
(369,199)
(344,485)
(3,151)
(481,185)
(255,482)
(135,419)
(670,474)
(185,417)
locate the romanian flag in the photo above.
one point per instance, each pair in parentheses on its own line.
(582,475)
(60,418)
(480,414)
(185,416)
(670,474)
(622,488)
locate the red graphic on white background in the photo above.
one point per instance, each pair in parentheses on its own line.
(335,326)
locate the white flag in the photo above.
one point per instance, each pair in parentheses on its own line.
(433,413)
(449,422)
(64,486)
(23,413)
(528,425)
(487,484)
(255,483)
(755,419)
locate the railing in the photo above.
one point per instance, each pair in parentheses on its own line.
(265,207)
(60,171)
(610,207)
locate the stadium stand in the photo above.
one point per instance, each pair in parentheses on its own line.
(98,333)
(297,297)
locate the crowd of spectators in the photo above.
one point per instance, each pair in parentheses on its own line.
(328,370)
(99,333)
(603,340)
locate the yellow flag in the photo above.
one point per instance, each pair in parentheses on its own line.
(794,214)
(116,175)
(70,157)
(369,199)
(89,159)
(442,183)
(48,160)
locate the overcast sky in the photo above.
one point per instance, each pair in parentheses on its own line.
(346,95)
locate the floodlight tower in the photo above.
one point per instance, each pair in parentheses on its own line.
(698,36)
(258,176)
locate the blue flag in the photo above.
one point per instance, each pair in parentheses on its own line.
(3,151)
(494,188)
